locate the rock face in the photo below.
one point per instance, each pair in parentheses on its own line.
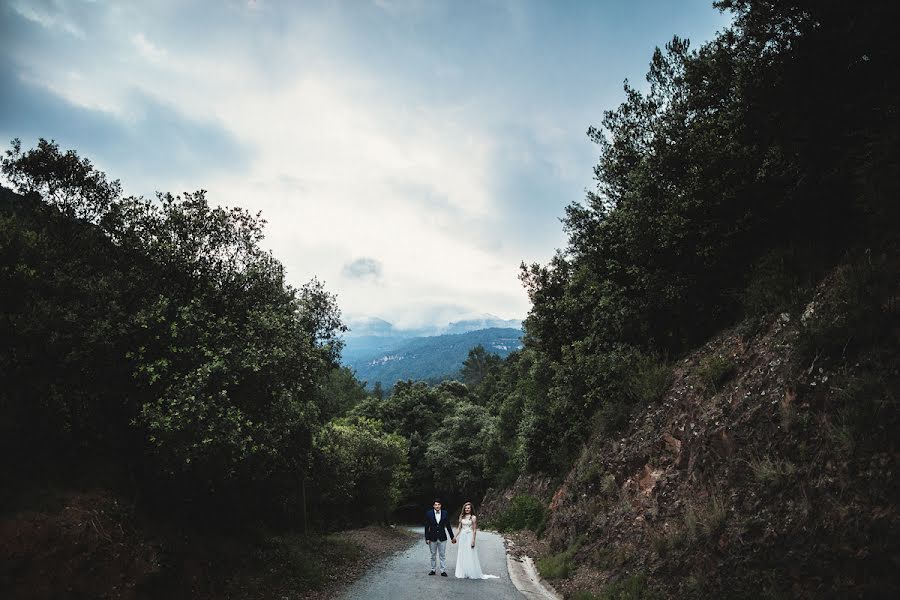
(761,488)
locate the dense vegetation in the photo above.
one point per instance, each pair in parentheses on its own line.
(158,337)
(725,191)
(156,334)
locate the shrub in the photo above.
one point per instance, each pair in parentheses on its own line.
(649,381)
(523,512)
(714,372)
(780,281)
(855,312)
(632,588)
(559,566)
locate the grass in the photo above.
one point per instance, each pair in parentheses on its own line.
(701,522)
(715,372)
(610,558)
(561,565)
(771,471)
(608,486)
(291,562)
(634,587)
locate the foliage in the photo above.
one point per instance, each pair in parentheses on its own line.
(340,392)
(634,587)
(159,332)
(852,313)
(477,365)
(522,512)
(714,372)
(555,566)
(728,187)
(362,470)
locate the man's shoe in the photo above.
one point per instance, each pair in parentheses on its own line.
(443,573)
(432,573)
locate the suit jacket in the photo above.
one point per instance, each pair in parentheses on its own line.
(435,531)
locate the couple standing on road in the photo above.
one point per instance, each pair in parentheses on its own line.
(437,526)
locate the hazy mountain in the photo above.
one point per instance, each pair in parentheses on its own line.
(389,360)
(367,327)
(484,322)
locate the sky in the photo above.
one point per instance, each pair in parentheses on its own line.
(408,153)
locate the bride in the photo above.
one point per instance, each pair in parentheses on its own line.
(467,564)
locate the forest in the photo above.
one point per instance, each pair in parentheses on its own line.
(155,339)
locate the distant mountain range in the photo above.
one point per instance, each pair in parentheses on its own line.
(376,327)
(381,352)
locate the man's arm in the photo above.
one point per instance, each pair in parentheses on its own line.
(449,527)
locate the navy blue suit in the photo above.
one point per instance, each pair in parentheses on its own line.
(434,531)
(436,536)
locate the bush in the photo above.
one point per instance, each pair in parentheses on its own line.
(780,281)
(559,566)
(855,312)
(650,380)
(523,512)
(632,588)
(556,566)
(714,372)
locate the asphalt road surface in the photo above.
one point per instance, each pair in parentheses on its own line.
(405,575)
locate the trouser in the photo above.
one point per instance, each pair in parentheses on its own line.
(436,548)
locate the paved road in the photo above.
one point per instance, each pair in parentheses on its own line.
(405,575)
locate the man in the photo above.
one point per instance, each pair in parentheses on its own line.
(437,526)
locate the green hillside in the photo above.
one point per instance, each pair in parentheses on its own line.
(432,358)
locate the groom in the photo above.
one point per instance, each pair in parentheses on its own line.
(436,523)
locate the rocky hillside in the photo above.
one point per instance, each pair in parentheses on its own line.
(768,469)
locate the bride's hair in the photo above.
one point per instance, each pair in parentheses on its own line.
(462,511)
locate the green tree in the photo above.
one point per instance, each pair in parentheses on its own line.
(361,470)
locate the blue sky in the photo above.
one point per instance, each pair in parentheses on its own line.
(409,153)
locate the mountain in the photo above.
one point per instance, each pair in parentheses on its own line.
(371,338)
(428,358)
(370,326)
(367,327)
(484,322)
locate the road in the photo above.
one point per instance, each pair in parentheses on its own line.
(405,575)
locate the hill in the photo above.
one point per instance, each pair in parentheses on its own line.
(765,469)
(429,358)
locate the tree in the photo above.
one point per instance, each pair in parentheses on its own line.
(63,179)
(477,365)
(361,470)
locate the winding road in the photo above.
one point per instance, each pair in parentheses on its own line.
(405,575)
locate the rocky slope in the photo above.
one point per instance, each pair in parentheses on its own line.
(767,470)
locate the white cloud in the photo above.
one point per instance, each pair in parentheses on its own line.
(47,18)
(147,49)
(346,162)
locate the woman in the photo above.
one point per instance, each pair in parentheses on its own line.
(467,564)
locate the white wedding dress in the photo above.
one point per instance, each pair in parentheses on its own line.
(467,564)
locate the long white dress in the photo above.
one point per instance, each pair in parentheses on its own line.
(467,564)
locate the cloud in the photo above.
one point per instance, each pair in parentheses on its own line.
(48,16)
(147,49)
(159,144)
(442,137)
(364,269)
